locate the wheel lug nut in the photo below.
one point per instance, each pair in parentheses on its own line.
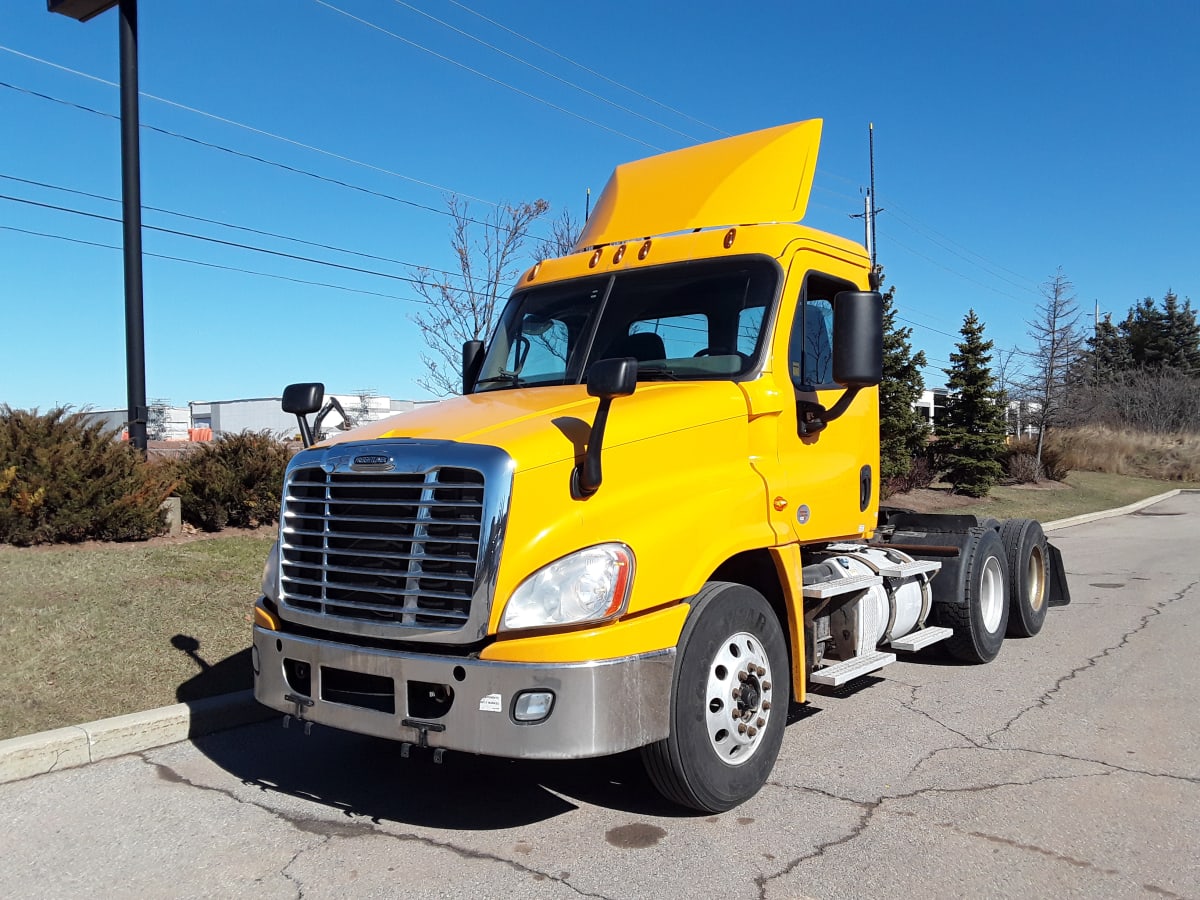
(742,676)
(766,704)
(737,692)
(766,685)
(752,731)
(761,722)
(742,728)
(762,671)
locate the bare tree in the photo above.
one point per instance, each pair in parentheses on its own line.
(564,235)
(1057,342)
(1009,383)
(464,308)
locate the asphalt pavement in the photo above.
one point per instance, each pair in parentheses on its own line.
(1069,766)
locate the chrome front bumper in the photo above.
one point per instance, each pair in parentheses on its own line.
(599,708)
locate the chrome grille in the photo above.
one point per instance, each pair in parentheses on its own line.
(398,549)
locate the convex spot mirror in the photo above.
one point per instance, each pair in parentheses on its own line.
(858,338)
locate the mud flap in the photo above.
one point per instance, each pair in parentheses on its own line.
(1060,594)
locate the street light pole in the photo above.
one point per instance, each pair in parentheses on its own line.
(131,202)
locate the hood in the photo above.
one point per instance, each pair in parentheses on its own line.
(764,176)
(544,425)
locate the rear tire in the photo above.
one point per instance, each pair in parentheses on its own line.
(722,747)
(1025,546)
(979,624)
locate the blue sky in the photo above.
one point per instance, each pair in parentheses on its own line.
(1010,139)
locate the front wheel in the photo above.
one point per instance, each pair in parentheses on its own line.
(729,702)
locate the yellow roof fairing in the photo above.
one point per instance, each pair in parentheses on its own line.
(764,176)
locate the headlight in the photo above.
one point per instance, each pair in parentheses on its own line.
(589,585)
(270,579)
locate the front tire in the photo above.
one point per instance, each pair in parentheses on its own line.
(729,702)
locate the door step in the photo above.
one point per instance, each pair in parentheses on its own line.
(913,567)
(841,586)
(839,673)
(918,640)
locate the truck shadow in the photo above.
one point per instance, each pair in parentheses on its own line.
(224,677)
(366,776)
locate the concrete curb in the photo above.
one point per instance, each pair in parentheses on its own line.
(78,745)
(1112,513)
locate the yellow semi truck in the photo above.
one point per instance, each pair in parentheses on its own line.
(652,518)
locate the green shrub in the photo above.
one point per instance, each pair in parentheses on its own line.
(235,480)
(63,479)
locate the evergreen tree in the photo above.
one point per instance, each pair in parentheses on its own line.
(902,431)
(1144,333)
(971,440)
(1107,354)
(1182,350)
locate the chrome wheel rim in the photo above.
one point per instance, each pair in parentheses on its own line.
(738,699)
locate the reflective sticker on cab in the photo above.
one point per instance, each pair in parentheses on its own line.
(491,703)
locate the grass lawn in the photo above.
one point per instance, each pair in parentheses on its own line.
(1081,493)
(92,631)
(100,630)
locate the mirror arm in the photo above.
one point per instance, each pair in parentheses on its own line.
(306,434)
(814,417)
(586,478)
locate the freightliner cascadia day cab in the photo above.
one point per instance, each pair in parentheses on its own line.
(652,518)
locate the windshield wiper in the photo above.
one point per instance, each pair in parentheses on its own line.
(657,370)
(514,379)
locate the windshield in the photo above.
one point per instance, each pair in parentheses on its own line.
(686,322)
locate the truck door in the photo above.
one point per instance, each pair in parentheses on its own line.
(828,478)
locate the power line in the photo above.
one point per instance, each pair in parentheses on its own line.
(901,214)
(955,272)
(548,74)
(210,265)
(484,75)
(579,65)
(259,131)
(245,228)
(240,246)
(250,156)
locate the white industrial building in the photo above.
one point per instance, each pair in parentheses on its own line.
(204,420)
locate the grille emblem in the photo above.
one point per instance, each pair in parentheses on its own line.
(373,462)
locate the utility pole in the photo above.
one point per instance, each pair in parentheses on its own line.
(870,211)
(131,201)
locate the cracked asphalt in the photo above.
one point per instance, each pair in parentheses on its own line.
(1070,766)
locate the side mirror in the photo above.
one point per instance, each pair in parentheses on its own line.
(302,400)
(858,339)
(606,379)
(857,355)
(472,359)
(609,378)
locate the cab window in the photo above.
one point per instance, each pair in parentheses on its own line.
(810,348)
